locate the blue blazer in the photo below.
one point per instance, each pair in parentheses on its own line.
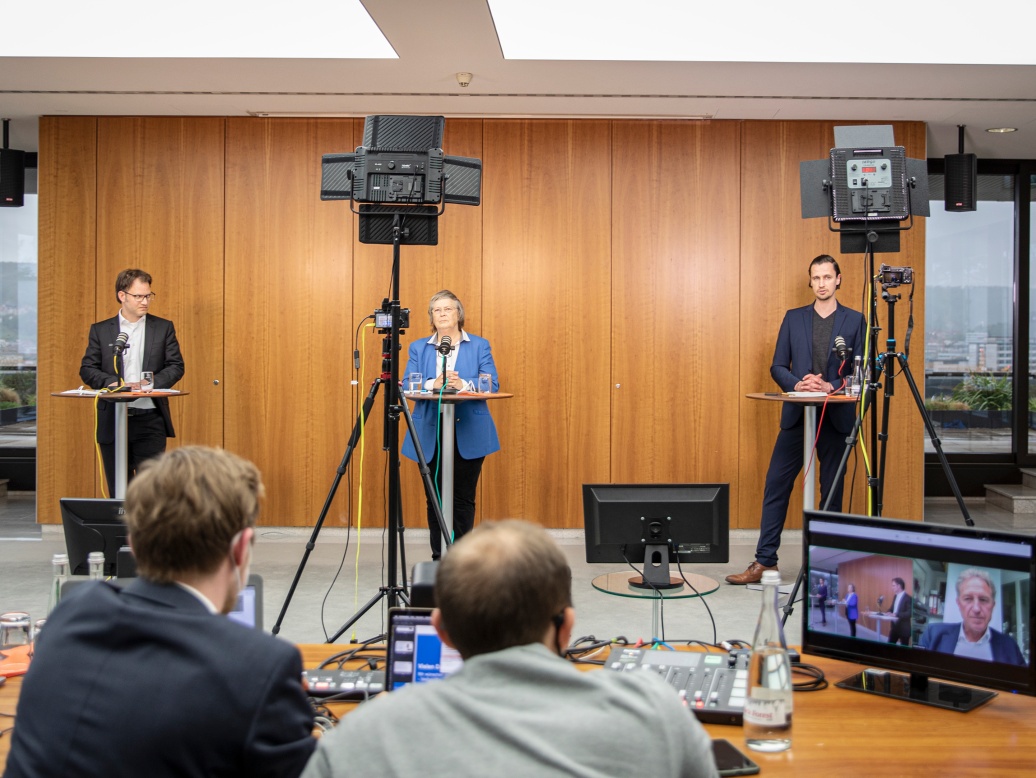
(943,637)
(852,610)
(476,433)
(793,358)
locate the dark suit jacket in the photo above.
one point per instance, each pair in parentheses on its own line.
(793,358)
(147,682)
(943,637)
(476,433)
(161,356)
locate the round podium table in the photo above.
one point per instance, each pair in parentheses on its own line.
(449,422)
(121,400)
(618,585)
(809,405)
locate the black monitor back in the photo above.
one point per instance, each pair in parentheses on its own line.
(93,525)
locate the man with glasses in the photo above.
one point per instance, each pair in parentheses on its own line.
(151,345)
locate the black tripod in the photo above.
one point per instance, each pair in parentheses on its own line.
(394,406)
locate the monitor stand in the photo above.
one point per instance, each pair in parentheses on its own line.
(917,688)
(656,570)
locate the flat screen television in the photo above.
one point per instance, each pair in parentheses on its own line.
(932,601)
(93,525)
(656,525)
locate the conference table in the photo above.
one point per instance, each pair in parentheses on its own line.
(836,731)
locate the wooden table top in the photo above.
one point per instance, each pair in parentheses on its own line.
(839,732)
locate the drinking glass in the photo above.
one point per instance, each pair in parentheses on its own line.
(485,383)
(15,629)
(414,382)
(147,381)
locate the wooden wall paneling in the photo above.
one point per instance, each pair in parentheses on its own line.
(675,307)
(65,462)
(288,312)
(872,576)
(161,209)
(547,310)
(777,246)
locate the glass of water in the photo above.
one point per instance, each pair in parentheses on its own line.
(485,383)
(147,381)
(414,382)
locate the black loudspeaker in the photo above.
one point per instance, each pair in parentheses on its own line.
(961,193)
(12,178)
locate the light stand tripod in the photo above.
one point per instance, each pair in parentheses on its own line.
(393,407)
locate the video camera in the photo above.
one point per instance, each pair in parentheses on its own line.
(890,276)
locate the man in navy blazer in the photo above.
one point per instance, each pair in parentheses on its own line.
(153,679)
(973,637)
(804,361)
(151,346)
(466,357)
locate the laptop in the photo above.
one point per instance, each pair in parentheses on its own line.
(415,652)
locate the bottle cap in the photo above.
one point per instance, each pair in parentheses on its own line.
(60,559)
(771,578)
(95,556)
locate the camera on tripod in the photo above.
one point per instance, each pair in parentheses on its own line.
(895,276)
(383,319)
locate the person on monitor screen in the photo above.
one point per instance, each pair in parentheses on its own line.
(805,361)
(153,679)
(852,608)
(902,608)
(973,637)
(822,600)
(150,345)
(516,707)
(467,356)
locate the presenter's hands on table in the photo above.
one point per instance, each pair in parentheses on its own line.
(453,380)
(813,383)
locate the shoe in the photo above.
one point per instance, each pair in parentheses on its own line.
(754,574)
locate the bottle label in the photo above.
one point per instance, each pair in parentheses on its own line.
(764,711)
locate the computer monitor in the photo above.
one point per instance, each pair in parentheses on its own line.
(93,525)
(957,601)
(656,524)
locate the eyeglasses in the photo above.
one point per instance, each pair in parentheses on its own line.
(140,297)
(447,309)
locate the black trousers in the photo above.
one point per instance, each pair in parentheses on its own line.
(465,485)
(145,439)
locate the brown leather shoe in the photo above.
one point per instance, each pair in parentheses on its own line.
(754,574)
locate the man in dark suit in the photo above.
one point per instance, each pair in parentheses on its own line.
(153,679)
(973,637)
(151,346)
(804,361)
(902,608)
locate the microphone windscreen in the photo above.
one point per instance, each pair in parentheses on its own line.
(445,345)
(120,342)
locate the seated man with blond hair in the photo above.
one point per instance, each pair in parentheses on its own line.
(515,707)
(153,679)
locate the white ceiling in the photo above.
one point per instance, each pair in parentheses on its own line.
(436,39)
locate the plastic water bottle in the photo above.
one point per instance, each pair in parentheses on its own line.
(95,561)
(856,382)
(768,707)
(59,562)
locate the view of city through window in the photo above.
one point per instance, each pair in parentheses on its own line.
(18,306)
(969,310)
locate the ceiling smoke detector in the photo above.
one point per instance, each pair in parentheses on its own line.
(464,79)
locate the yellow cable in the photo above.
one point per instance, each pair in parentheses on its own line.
(359,493)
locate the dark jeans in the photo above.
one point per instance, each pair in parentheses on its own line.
(785,465)
(465,486)
(145,439)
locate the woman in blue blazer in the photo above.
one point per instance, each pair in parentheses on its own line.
(852,609)
(476,435)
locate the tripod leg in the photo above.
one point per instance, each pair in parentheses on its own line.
(426,473)
(368,403)
(789,606)
(883,440)
(935,439)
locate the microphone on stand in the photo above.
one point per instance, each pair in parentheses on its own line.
(841,350)
(121,342)
(445,347)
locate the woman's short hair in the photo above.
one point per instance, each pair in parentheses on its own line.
(440,296)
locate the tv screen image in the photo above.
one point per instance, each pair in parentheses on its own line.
(929,600)
(656,525)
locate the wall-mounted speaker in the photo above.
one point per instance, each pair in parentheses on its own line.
(961,182)
(12,178)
